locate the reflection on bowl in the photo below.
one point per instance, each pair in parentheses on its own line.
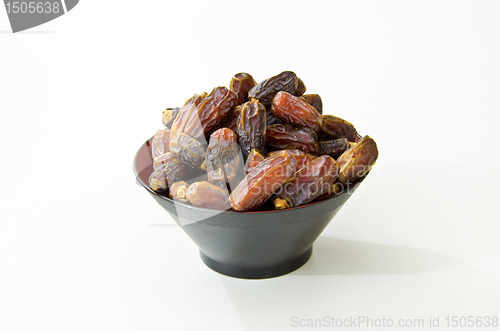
(251,245)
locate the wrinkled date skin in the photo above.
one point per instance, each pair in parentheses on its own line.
(252,127)
(187,121)
(241,84)
(189,150)
(301,88)
(170,171)
(169,115)
(160,143)
(207,195)
(286,136)
(232,119)
(158,181)
(314,179)
(301,158)
(334,148)
(262,181)
(223,162)
(266,90)
(214,109)
(178,191)
(161,160)
(253,159)
(205,114)
(315,101)
(335,128)
(271,118)
(358,160)
(296,111)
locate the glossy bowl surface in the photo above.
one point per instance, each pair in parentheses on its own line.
(251,245)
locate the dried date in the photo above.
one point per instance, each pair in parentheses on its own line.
(207,195)
(214,109)
(232,119)
(334,148)
(161,160)
(335,128)
(271,118)
(253,159)
(171,170)
(158,181)
(262,181)
(160,143)
(301,88)
(358,160)
(169,115)
(296,111)
(287,136)
(252,127)
(223,162)
(301,158)
(178,191)
(241,83)
(201,119)
(187,121)
(308,183)
(266,90)
(315,101)
(189,150)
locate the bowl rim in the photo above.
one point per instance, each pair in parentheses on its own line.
(185,205)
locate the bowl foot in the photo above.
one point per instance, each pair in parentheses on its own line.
(257,272)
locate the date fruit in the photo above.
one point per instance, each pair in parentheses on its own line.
(335,128)
(207,195)
(189,150)
(169,115)
(205,115)
(187,121)
(161,160)
(253,159)
(262,181)
(272,119)
(301,158)
(287,136)
(214,109)
(252,127)
(314,179)
(296,111)
(223,162)
(232,119)
(241,83)
(160,143)
(158,181)
(334,148)
(266,90)
(171,170)
(315,101)
(178,191)
(301,88)
(358,160)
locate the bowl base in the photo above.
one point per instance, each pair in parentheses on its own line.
(258,272)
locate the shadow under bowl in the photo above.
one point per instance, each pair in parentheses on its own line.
(250,245)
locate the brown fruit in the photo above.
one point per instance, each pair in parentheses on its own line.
(207,195)
(296,111)
(262,181)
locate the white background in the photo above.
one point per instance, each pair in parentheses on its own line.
(83,247)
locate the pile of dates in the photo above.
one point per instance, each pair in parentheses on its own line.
(256,147)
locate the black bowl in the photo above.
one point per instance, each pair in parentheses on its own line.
(251,245)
